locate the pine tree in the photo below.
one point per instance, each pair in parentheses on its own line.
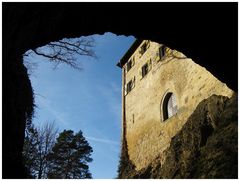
(70,156)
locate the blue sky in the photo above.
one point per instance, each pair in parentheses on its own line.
(87,100)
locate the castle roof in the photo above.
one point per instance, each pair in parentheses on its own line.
(129,53)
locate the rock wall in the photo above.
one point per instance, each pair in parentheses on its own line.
(31,25)
(206,147)
(18,105)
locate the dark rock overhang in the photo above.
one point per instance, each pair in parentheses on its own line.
(205,32)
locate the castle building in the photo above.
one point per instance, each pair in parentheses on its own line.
(161,88)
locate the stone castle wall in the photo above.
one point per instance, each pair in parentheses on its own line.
(147,134)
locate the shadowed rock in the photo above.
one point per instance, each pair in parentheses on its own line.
(206,147)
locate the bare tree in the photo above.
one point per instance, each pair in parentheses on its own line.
(65,51)
(37,146)
(47,139)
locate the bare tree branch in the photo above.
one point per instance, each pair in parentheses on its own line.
(67,51)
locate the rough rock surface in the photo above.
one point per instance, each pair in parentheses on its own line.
(206,147)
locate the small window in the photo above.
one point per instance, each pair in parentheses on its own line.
(169,107)
(130,64)
(130,85)
(162,52)
(144,47)
(145,70)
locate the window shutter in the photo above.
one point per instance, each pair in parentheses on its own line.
(167,50)
(126,67)
(157,57)
(125,89)
(148,44)
(149,64)
(133,60)
(140,72)
(162,52)
(133,82)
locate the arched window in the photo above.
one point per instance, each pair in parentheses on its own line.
(169,106)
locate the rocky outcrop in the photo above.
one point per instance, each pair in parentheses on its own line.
(18,105)
(206,147)
(31,25)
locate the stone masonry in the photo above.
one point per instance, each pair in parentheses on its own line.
(146,131)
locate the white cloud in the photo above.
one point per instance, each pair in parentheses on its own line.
(102,140)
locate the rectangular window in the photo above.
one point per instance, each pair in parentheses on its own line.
(129,86)
(145,69)
(144,47)
(162,52)
(130,64)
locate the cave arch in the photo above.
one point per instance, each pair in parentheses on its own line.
(31,25)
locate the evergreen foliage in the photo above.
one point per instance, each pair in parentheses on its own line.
(69,156)
(64,158)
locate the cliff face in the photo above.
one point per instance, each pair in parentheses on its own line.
(18,105)
(206,147)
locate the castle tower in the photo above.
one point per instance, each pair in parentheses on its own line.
(161,88)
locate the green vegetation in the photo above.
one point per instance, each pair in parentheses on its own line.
(66,157)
